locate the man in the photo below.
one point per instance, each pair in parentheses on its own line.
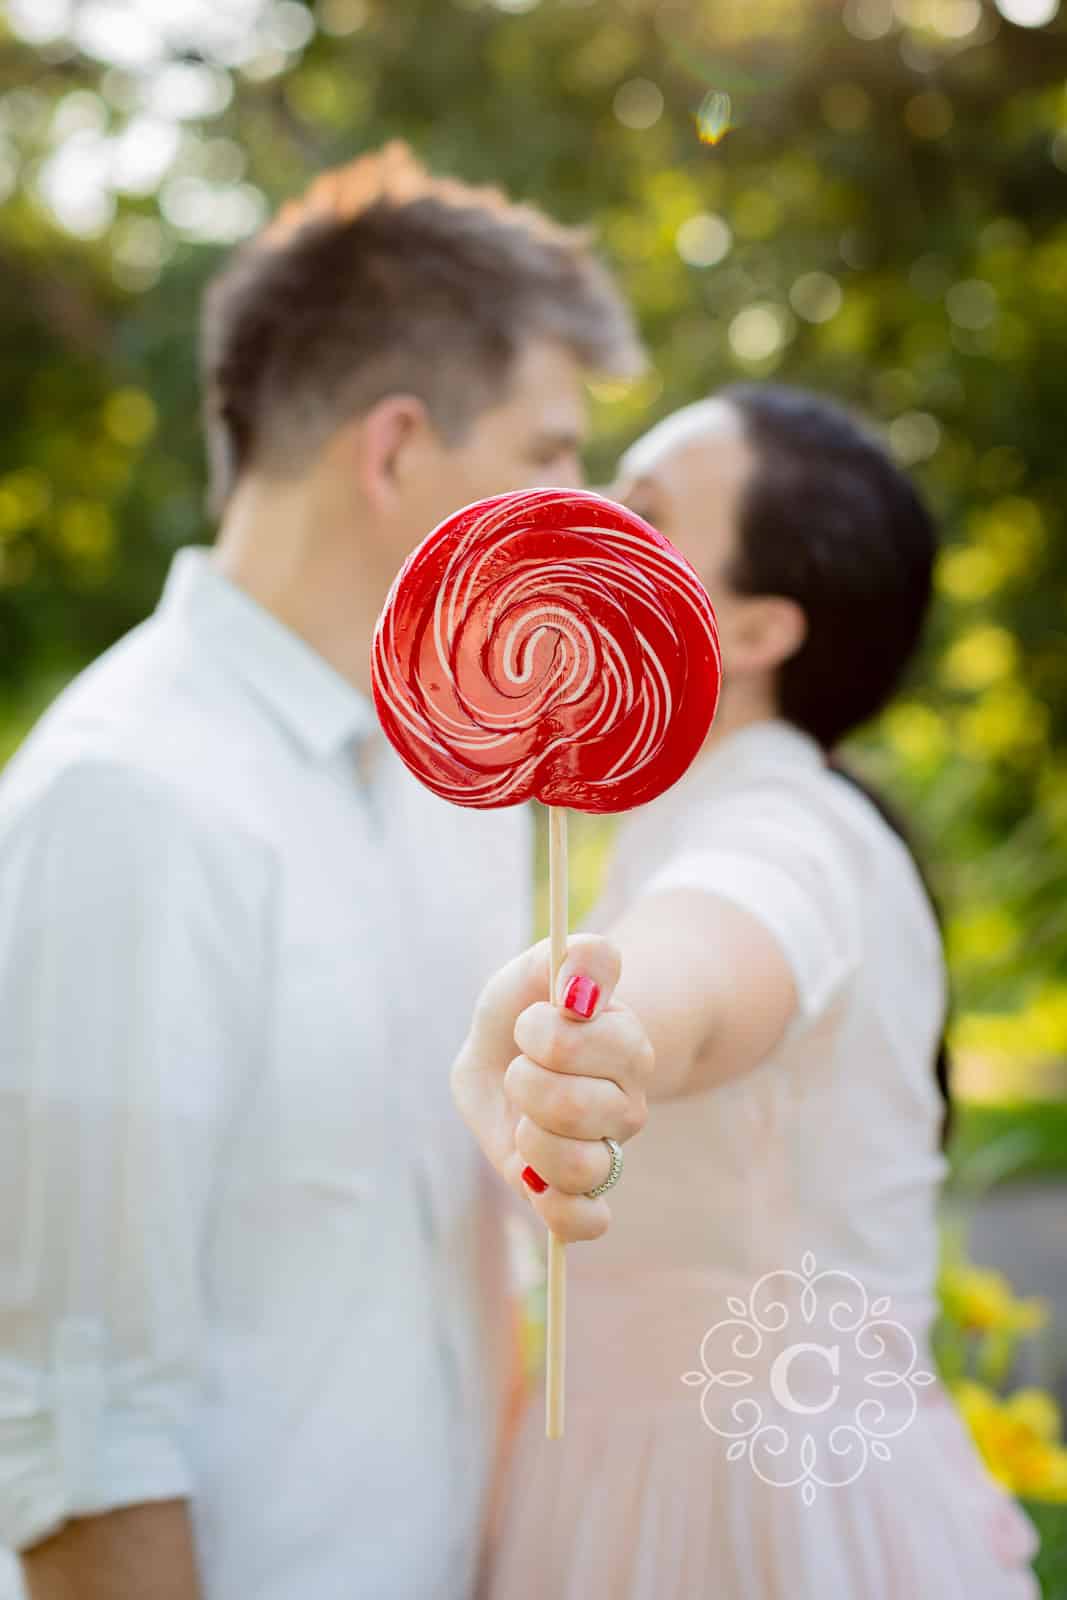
(252,1312)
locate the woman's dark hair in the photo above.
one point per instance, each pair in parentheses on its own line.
(829,520)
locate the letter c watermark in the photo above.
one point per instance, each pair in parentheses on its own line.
(831,1354)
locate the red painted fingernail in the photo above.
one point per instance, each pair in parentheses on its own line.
(581,996)
(533,1180)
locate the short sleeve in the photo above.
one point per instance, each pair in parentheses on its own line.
(132,942)
(775,857)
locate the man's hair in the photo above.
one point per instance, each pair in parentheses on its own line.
(383,279)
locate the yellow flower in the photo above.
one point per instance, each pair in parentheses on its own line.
(1018,1439)
(980,1300)
(1038,1410)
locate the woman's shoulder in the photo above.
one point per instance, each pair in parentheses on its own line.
(773,771)
(788,798)
(779,796)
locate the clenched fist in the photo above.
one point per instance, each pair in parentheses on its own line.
(540,1087)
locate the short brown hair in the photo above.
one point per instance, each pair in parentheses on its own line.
(381,279)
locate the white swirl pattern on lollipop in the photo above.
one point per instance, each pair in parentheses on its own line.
(522,652)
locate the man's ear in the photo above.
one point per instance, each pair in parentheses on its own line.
(383,443)
(768,630)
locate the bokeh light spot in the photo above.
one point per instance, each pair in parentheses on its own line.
(73,184)
(81,111)
(1013,528)
(129,417)
(704,240)
(139,247)
(955,19)
(869,19)
(1028,13)
(816,296)
(214,214)
(39,21)
(980,657)
(972,303)
(188,91)
(24,498)
(914,436)
(968,573)
(142,154)
(86,531)
(1005,722)
(116,33)
(341,17)
(638,104)
(288,25)
(918,732)
(759,332)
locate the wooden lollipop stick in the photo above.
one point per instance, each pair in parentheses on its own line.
(556,1311)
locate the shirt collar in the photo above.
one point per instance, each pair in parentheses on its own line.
(320,707)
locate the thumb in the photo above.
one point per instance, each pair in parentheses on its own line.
(589,975)
(514,987)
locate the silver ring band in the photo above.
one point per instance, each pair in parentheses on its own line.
(614,1175)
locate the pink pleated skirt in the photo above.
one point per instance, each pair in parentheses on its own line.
(661,1489)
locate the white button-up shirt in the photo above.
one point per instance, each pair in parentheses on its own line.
(248,1253)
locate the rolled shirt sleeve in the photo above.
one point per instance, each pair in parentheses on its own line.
(132,944)
(773,855)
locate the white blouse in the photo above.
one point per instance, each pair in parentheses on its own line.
(831,1145)
(247,1252)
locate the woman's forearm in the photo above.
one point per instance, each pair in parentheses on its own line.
(709,983)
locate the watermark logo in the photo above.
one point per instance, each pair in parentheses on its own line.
(832,1378)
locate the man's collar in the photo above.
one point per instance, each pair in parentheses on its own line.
(319,707)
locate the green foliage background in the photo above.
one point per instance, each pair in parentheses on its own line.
(884,218)
(881,214)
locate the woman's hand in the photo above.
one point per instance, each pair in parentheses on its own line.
(540,1087)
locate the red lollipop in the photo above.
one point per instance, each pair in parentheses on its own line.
(549,645)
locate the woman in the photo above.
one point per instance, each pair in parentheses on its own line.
(774,1245)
